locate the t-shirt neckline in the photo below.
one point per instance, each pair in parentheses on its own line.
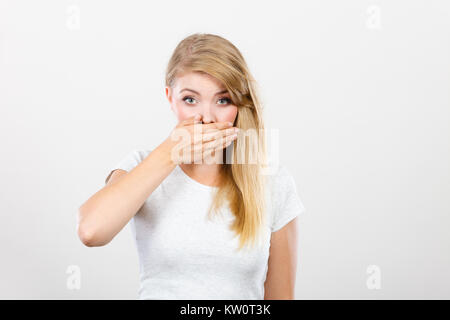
(193,182)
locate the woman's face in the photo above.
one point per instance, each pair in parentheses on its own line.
(196,92)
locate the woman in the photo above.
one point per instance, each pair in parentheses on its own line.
(248,248)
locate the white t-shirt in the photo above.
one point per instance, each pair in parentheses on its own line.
(183,255)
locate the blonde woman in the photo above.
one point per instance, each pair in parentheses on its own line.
(206,224)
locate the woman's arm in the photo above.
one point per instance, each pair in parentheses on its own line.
(282,264)
(106,212)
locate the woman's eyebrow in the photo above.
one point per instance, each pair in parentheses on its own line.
(187,89)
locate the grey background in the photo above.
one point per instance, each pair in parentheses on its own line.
(359,91)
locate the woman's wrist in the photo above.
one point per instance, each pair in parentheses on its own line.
(165,151)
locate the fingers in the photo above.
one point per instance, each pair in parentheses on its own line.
(216,134)
(200,150)
(210,137)
(221,142)
(216,144)
(217,125)
(197,118)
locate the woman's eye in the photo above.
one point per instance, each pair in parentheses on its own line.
(186,98)
(226,99)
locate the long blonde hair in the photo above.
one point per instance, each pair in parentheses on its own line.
(243,185)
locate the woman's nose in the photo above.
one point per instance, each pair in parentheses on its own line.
(207,116)
(207,120)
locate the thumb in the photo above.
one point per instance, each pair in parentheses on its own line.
(197,118)
(194,119)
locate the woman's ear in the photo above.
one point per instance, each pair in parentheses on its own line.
(169,94)
(170,99)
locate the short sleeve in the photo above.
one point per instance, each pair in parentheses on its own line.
(130,161)
(287,203)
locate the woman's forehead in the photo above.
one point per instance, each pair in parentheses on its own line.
(202,83)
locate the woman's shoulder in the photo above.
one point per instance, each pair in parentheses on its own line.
(278,175)
(129,160)
(279,181)
(286,202)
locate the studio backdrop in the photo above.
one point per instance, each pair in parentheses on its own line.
(358,92)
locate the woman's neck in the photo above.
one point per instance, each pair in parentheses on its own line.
(207,174)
